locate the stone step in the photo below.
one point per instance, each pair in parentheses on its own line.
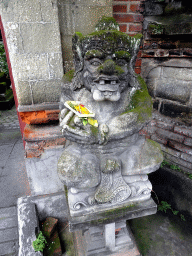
(8,222)
(8,212)
(9,248)
(9,238)
(9,234)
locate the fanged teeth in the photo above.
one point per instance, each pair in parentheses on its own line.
(103,82)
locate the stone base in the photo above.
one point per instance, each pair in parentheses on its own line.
(105,216)
(110,239)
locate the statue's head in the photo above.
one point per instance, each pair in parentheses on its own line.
(104,61)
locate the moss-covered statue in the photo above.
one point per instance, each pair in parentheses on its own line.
(106,165)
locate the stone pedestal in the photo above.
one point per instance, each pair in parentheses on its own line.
(106,233)
(110,239)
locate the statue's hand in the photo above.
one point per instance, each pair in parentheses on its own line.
(74,130)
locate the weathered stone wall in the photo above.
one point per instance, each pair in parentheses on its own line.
(33,39)
(79,16)
(169,83)
(174,137)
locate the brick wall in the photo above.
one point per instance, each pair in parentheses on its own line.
(175,139)
(128,14)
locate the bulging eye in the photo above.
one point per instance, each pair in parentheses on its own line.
(95,63)
(121,62)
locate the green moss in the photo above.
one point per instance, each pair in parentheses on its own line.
(69,76)
(107,23)
(79,34)
(67,238)
(143,230)
(94,53)
(94,130)
(109,67)
(169,9)
(53,245)
(138,36)
(154,144)
(122,55)
(141,103)
(156,29)
(118,210)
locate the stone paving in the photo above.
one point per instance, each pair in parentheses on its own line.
(9,119)
(13,180)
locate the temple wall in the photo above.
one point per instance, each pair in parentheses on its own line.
(79,16)
(166,67)
(33,40)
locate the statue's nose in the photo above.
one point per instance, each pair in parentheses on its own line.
(108,67)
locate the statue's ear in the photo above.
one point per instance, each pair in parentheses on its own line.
(77,51)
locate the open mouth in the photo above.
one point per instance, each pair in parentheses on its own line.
(104,83)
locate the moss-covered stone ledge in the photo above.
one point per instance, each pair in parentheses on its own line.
(125,212)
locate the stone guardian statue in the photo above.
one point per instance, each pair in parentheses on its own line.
(106,166)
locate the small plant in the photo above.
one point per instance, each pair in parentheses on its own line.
(164,206)
(40,243)
(182,217)
(3,61)
(164,163)
(175,167)
(190,176)
(175,212)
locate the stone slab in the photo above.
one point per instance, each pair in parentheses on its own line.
(8,212)
(42,172)
(103,217)
(9,234)
(53,205)
(8,222)
(38,107)
(9,247)
(28,228)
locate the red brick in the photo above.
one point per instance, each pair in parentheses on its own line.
(120,8)
(170,135)
(123,28)
(138,63)
(49,226)
(135,28)
(135,7)
(165,125)
(137,70)
(180,147)
(183,130)
(128,17)
(139,54)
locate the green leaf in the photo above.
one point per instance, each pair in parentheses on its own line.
(164,206)
(85,122)
(39,243)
